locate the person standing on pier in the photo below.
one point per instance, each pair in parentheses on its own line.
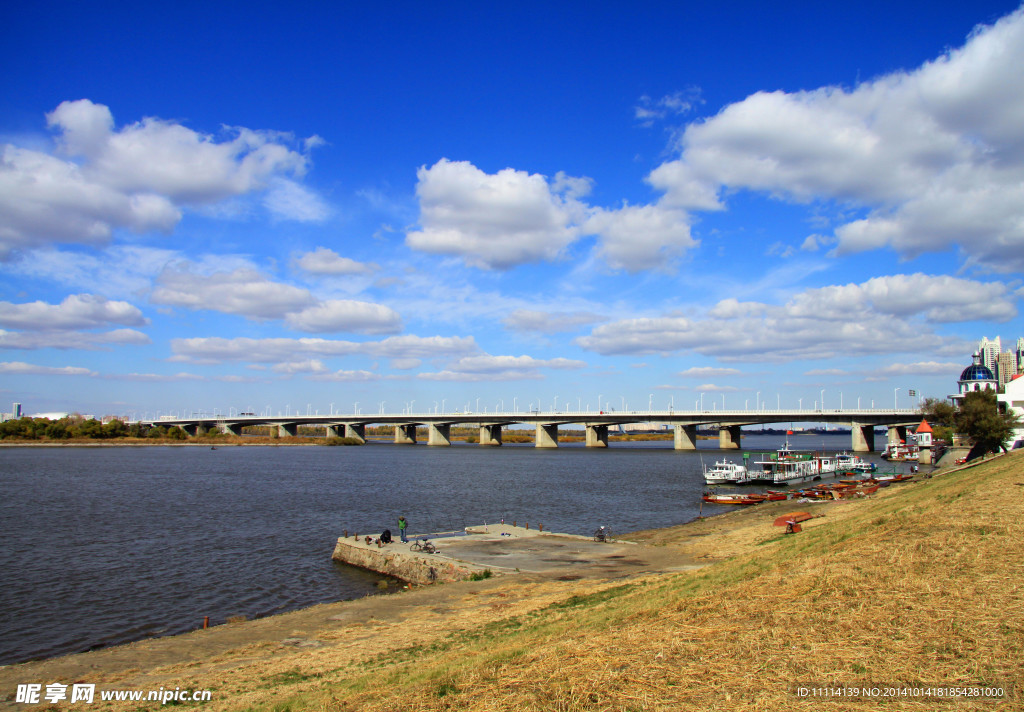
(402,524)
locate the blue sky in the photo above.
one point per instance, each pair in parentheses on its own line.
(329,206)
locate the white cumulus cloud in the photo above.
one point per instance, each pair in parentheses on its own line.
(242,291)
(485,367)
(644,237)
(29,369)
(281,350)
(323,261)
(527,320)
(933,157)
(346,315)
(77,311)
(494,221)
(139,177)
(848,320)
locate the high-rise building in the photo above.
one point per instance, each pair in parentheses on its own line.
(989,349)
(1006,367)
(1020,355)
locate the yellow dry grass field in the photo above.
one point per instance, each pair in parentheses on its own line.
(921,586)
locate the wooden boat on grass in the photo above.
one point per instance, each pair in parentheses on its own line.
(894,477)
(714,498)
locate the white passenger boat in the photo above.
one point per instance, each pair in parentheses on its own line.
(848,462)
(725,472)
(901,452)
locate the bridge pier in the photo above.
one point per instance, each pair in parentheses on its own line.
(285,430)
(685,437)
(897,434)
(597,436)
(330,431)
(490,435)
(228,428)
(356,431)
(190,430)
(439,434)
(863,437)
(547,435)
(405,434)
(729,437)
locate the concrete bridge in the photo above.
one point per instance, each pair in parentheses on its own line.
(729,423)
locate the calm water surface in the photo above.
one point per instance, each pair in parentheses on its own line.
(108,545)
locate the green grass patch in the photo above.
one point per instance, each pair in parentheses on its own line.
(592,599)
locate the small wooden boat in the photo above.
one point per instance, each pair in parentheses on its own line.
(733,498)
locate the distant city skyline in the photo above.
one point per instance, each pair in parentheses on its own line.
(343,208)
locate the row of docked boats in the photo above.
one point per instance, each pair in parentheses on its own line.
(786,466)
(901,452)
(843,489)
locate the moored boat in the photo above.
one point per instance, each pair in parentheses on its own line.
(788,466)
(733,498)
(848,462)
(901,452)
(725,472)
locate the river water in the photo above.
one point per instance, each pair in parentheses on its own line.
(105,545)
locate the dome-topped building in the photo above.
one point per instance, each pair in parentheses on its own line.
(976,377)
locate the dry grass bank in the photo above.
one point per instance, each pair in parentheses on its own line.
(923,584)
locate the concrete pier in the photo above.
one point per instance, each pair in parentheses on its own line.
(729,437)
(547,435)
(396,560)
(863,437)
(356,431)
(499,548)
(405,434)
(897,434)
(597,436)
(490,435)
(439,434)
(685,437)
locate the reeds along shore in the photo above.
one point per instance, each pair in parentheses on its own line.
(918,585)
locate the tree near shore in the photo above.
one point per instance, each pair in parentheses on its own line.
(941,415)
(977,416)
(980,419)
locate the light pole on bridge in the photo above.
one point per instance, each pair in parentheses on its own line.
(894,401)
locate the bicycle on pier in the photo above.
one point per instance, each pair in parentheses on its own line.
(423,545)
(603,534)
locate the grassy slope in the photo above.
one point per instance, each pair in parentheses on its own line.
(922,584)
